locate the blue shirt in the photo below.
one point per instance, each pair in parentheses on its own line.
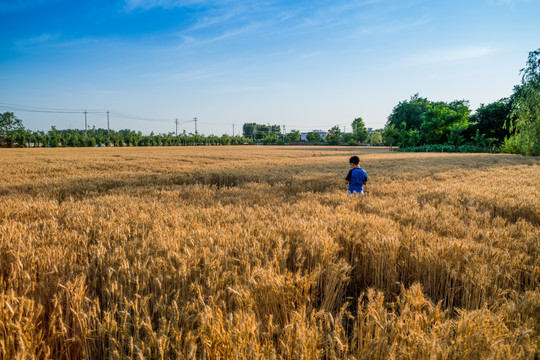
(356,178)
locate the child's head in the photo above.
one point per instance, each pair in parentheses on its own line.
(354,160)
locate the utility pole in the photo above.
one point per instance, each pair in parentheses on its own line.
(85,124)
(176,122)
(195,120)
(233,130)
(268,129)
(108,131)
(284,131)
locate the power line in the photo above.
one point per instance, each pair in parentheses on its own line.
(35,109)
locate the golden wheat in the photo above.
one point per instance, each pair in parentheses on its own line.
(258,253)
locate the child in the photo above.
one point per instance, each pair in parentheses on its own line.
(357,177)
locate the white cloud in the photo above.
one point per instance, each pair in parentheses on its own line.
(449,55)
(202,40)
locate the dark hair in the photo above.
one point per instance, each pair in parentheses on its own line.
(354,160)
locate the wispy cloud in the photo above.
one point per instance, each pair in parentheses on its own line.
(60,41)
(131,5)
(390,27)
(39,40)
(449,55)
(193,39)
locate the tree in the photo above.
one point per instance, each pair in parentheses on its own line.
(376,137)
(359,129)
(314,137)
(259,131)
(410,112)
(293,136)
(491,119)
(54,137)
(390,135)
(403,135)
(441,119)
(334,136)
(225,139)
(269,139)
(349,138)
(526,109)
(10,125)
(414,137)
(455,136)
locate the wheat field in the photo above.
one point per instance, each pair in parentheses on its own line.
(258,253)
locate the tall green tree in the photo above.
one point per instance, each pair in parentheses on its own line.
(334,136)
(293,136)
(526,110)
(491,120)
(54,137)
(410,112)
(359,130)
(259,131)
(314,137)
(10,128)
(349,139)
(444,123)
(390,135)
(376,137)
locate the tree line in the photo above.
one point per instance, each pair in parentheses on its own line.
(14,134)
(510,125)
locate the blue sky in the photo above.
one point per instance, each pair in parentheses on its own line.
(303,64)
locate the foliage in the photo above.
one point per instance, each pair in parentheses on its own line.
(359,130)
(376,138)
(444,122)
(293,136)
(469,148)
(334,136)
(526,109)
(270,139)
(12,131)
(390,135)
(349,139)
(491,120)
(314,137)
(259,131)
(409,112)
(420,121)
(103,137)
